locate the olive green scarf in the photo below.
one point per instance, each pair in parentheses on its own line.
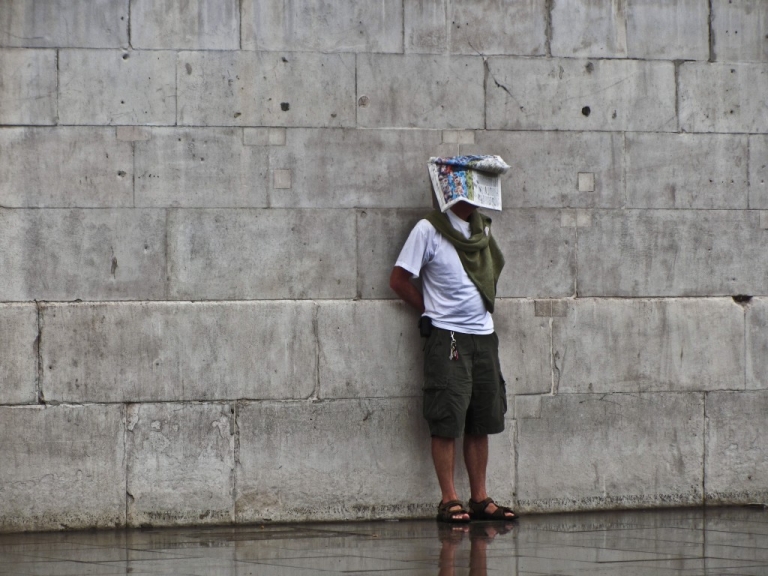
(479,254)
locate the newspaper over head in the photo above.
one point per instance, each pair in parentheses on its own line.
(472,179)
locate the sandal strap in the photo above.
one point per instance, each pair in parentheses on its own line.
(450,504)
(480,506)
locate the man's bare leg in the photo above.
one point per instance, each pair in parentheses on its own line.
(476,459)
(443,456)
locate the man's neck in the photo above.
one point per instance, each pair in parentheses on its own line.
(463,210)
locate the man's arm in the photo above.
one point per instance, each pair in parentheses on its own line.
(400,282)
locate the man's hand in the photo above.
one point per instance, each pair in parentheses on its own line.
(400,282)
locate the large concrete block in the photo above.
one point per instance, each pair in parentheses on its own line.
(180,464)
(18,353)
(200,168)
(65,167)
(720,97)
(139,352)
(740,29)
(416,91)
(758,172)
(672,253)
(347,459)
(546,167)
(345,168)
(757,344)
(82,254)
(64,23)
(63,467)
(195,25)
(472,27)
(117,87)
(266,89)
(668,30)
(687,171)
(737,430)
(321,26)
(589,28)
(28,87)
(649,345)
(571,94)
(261,254)
(604,451)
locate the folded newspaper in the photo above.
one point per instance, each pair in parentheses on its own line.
(472,179)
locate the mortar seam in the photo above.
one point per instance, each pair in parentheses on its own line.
(710,21)
(235,458)
(130,40)
(125,459)
(167,260)
(548,29)
(40,398)
(704,453)
(316,334)
(58,89)
(749,177)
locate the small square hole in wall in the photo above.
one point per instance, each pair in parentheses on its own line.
(586,181)
(282,179)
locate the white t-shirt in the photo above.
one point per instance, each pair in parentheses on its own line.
(451,299)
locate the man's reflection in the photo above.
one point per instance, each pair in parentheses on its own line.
(481,534)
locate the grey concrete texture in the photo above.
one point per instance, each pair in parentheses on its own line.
(631,345)
(321,26)
(697,171)
(178,351)
(589,28)
(646,253)
(28,87)
(195,25)
(261,254)
(18,353)
(667,30)
(117,87)
(545,167)
(352,459)
(64,24)
(58,168)
(758,172)
(476,27)
(69,254)
(720,97)
(63,467)
(200,168)
(740,30)
(757,344)
(604,451)
(180,464)
(576,94)
(420,91)
(735,458)
(266,89)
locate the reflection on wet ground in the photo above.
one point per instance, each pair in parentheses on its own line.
(690,542)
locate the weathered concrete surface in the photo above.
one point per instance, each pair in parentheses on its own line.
(195,25)
(65,167)
(668,30)
(28,87)
(637,253)
(123,87)
(649,346)
(346,168)
(589,28)
(352,459)
(741,30)
(419,91)
(603,451)
(486,27)
(266,89)
(545,167)
(200,168)
(63,467)
(736,467)
(73,254)
(687,171)
(758,171)
(261,254)
(180,462)
(18,353)
(320,26)
(573,94)
(757,344)
(720,97)
(64,23)
(147,352)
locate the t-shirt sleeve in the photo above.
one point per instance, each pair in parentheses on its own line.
(418,250)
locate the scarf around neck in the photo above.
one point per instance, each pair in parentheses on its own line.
(479,254)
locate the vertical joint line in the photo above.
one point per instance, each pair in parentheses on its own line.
(548,7)
(357,93)
(236,459)
(576,262)
(710,21)
(133,176)
(130,40)
(316,333)
(125,459)
(240,24)
(486,73)
(40,398)
(167,260)
(677,64)
(749,178)
(402,13)
(704,454)
(552,356)
(57,86)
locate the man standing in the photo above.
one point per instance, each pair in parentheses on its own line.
(464,392)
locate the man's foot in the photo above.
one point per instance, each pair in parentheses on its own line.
(452,511)
(488,510)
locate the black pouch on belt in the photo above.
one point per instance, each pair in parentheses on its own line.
(425,326)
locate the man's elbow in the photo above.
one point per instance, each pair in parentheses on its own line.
(397,279)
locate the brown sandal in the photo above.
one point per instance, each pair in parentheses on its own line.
(477,511)
(445,514)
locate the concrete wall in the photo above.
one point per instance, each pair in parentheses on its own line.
(200,204)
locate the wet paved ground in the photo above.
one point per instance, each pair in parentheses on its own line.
(690,542)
